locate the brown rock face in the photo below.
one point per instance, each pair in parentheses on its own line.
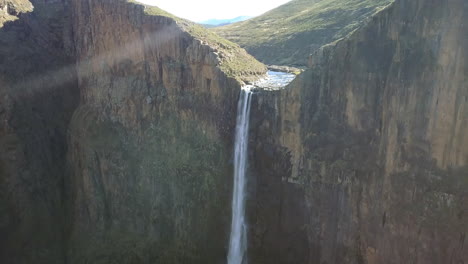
(116,126)
(364,158)
(150,143)
(38,94)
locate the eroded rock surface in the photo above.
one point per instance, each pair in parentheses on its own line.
(116,133)
(150,144)
(116,129)
(364,157)
(38,94)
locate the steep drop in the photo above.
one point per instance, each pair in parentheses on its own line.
(238,240)
(364,157)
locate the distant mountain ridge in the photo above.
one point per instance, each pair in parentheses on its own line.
(287,34)
(222,22)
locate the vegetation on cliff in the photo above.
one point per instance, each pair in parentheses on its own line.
(233,60)
(287,34)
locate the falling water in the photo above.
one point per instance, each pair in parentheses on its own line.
(238,240)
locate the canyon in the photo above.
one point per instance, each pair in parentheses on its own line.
(117,124)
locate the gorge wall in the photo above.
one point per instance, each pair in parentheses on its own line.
(116,134)
(38,94)
(116,129)
(364,157)
(151,141)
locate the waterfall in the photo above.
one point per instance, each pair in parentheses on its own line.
(238,239)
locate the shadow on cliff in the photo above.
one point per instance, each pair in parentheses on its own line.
(38,95)
(45,79)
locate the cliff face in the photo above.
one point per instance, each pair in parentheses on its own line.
(38,94)
(115,134)
(367,152)
(116,128)
(150,144)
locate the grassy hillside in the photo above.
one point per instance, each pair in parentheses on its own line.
(234,60)
(288,34)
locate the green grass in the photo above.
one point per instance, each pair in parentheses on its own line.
(234,60)
(288,34)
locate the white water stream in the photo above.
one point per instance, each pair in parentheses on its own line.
(238,240)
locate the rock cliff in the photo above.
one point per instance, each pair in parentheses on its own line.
(116,129)
(150,143)
(364,157)
(38,94)
(116,133)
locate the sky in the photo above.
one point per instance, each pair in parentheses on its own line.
(201,10)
